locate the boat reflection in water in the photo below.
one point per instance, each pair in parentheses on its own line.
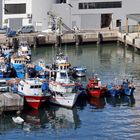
(34,119)
(63,118)
(121,101)
(99,103)
(53,118)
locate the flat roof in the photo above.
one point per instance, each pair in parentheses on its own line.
(135,17)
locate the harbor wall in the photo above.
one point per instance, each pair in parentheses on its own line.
(40,39)
(10,102)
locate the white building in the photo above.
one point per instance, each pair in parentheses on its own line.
(85,14)
(95,14)
(1,12)
(17,13)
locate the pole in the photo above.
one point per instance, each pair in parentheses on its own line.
(126,28)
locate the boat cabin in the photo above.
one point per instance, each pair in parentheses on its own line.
(63,66)
(60,76)
(3,86)
(24,49)
(19,60)
(30,86)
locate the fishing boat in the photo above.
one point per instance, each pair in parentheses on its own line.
(33,92)
(19,65)
(79,71)
(24,49)
(61,61)
(6,70)
(7,50)
(95,89)
(3,86)
(64,90)
(126,88)
(3,67)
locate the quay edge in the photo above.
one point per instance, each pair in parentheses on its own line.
(10,102)
(100,36)
(39,39)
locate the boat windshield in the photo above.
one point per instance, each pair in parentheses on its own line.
(35,86)
(2,84)
(81,70)
(63,75)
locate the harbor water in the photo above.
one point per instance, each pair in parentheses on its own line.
(107,118)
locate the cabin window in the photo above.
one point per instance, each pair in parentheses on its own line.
(31,86)
(63,75)
(36,86)
(2,83)
(21,88)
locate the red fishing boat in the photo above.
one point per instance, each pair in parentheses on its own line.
(95,89)
(31,90)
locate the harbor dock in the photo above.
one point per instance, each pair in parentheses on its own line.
(39,38)
(100,36)
(10,102)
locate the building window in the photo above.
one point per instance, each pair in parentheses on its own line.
(118,23)
(15,8)
(60,1)
(100,5)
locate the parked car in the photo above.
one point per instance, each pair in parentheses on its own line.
(26,29)
(3,30)
(8,32)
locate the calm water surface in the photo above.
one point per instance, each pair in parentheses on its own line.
(97,119)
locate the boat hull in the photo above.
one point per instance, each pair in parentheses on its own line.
(80,74)
(36,102)
(96,93)
(66,99)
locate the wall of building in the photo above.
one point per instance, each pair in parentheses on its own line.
(63,10)
(26,17)
(36,13)
(40,9)
(1,6)
(77,15)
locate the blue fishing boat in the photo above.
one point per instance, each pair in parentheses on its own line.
(126,88)
(19,65)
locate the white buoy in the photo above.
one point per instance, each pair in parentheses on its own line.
(17,120)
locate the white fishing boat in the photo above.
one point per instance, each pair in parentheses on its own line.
(32,90)
(24,49)
(7,50)
(16,60)
(64,90)
(79,71)
(3,86)
(61,61)
(42,64)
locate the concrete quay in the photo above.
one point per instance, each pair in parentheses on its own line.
(129,39)
(39,38)
(81,37)
(10,102)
